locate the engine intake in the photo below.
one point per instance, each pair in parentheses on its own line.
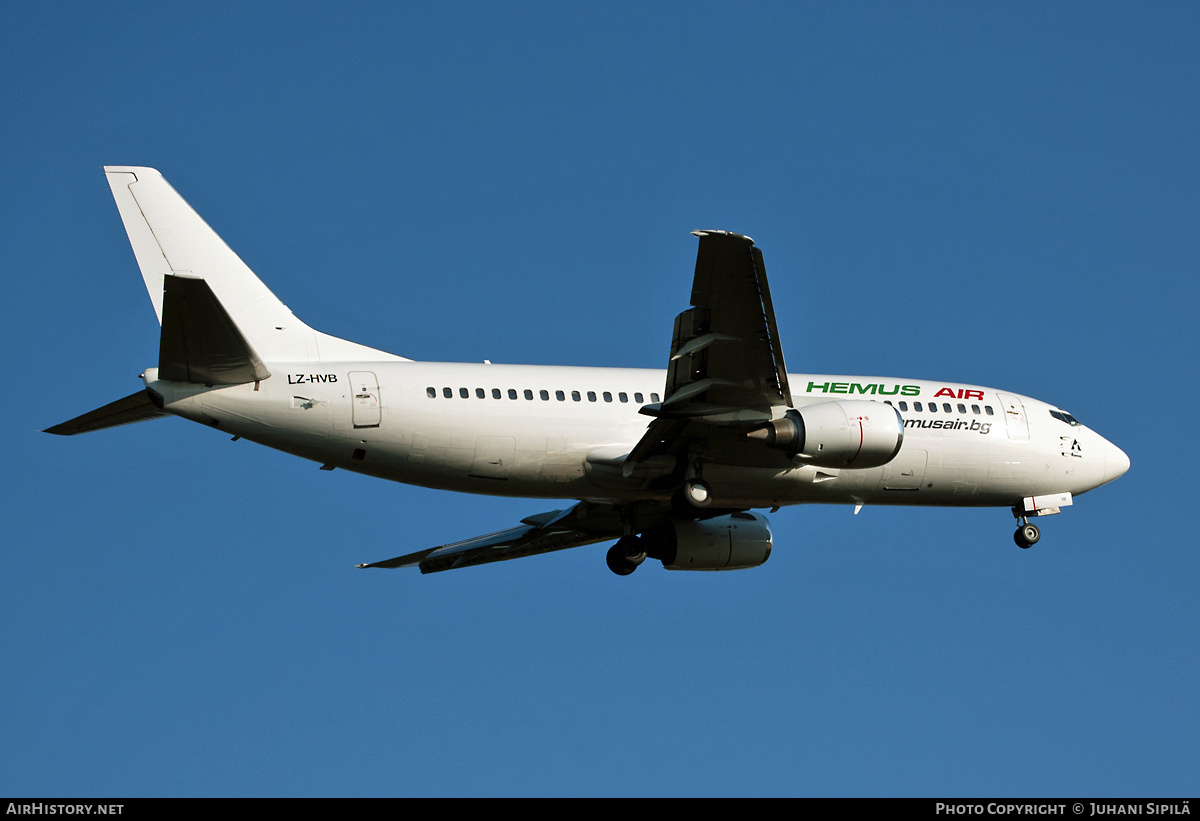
(849,434)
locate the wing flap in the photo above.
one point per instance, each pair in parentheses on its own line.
(440,554)
(543,533)
(726,365)
(725,349)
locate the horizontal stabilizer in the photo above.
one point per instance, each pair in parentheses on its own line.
(200,341)
(136,407)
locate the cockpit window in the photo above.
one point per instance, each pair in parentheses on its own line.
(1063,416)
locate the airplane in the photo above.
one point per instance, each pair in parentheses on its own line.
(666,465)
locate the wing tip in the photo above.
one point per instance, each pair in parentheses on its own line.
(720,232)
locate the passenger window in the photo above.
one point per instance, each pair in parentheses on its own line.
(480,394)
(464,393)
(528,394)
(545,394)
(946,407)
(591,396)
(512,393)
(988,408)
(916,406)
(575,396)
(962,408)
(495,393)
(624,397)
(637,397)
(560,396)
(654,397)
(607,396)
(431,393)
(903,406)
(446,392)
(933,407)
(975,409)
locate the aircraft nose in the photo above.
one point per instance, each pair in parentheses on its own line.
(1115,462)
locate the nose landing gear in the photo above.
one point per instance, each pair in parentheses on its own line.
(1027,535)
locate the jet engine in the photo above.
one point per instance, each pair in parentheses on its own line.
(852,433)
(731,542)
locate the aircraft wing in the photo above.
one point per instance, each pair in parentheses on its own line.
(726,366)
(544,533)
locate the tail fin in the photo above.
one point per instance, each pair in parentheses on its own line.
(169,238)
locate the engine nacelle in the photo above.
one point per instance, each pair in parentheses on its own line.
(852,433)
(731,542)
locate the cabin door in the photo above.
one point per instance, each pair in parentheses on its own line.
(1014,417)
(365,402)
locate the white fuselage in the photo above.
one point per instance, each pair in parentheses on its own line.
(562,432)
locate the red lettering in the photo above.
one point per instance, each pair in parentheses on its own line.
(946,392)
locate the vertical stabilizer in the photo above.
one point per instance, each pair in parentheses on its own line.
(169,238)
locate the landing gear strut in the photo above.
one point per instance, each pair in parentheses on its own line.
(1027,534)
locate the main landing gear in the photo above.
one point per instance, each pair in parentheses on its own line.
(624,557)
(697,493)
(694,492)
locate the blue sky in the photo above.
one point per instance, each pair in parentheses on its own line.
(1002,194)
